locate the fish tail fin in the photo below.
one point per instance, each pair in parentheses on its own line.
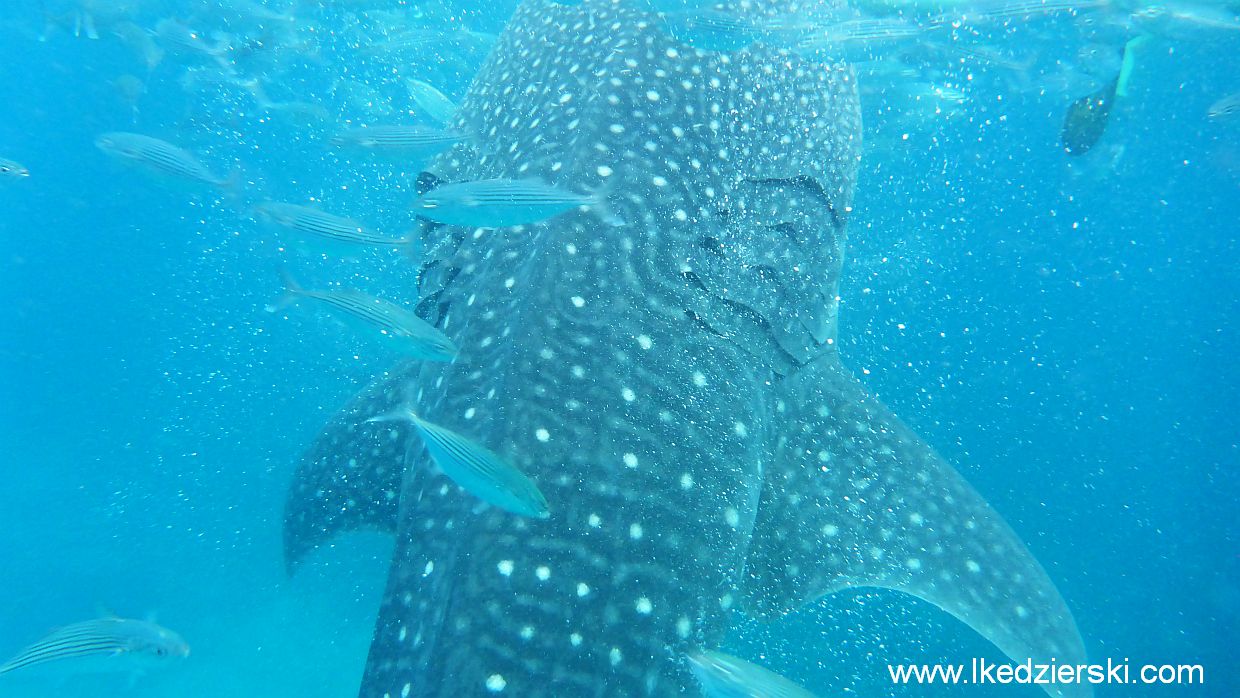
(469,135)
(1128,64)
(153,59)
(261,99)
(232,183)
(600,205)
(259,211)
(49,24)
(292,291)
(1024,73)
(223,43)
(87,22)
(233,188)
(410,246)
(219,53)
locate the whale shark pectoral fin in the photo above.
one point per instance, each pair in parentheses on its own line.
(350,477)
(855,498)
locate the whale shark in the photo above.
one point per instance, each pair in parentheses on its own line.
(672,384)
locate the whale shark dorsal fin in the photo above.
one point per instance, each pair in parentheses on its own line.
(350,477)
(854,498)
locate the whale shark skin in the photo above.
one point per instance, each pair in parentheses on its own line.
(671,384)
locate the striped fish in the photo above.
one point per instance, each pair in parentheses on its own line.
(421,141)
(324,231)
(725,676)
(182,39)
(712,29)
(862,31)
(476,469)
(123,643)
(11,169)
(1006,9)
(430,100)
(500,203)
(409,333)
(158,156)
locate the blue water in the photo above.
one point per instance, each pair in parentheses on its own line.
(1063,330)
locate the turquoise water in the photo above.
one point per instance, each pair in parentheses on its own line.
(1062,329)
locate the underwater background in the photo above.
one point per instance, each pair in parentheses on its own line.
(1061,328)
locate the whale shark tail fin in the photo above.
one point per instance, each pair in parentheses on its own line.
(854,498)
(350,477)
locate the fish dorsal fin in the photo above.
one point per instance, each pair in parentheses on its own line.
(106,612)
(854,498)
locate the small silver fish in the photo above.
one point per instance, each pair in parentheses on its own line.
(430,40)
(178,37)
(306,112)
(1226,108)
(106,643)
(257,11)
(84,23)
(421,141)
(324,231)
(303,112)
(712,29)
(141,42)
(476,469)
(501,203)
(986,10)
(157,156)
(410,334)
(725,676)
(862,31)
(430,100)
(1184,19)
(11,169)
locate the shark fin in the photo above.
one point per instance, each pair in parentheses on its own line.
(855,499)
(350,477)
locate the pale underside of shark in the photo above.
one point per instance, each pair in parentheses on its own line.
(672,385)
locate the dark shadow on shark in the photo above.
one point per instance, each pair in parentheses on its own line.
(672,385)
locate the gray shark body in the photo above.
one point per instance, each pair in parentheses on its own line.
(671,384)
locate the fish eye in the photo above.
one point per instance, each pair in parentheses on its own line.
(161,651)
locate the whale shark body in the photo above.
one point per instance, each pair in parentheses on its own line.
(672,384)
